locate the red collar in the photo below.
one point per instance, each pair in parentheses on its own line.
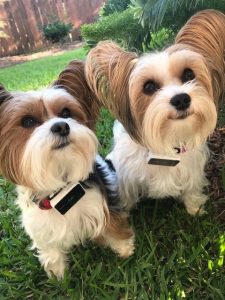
(45,204)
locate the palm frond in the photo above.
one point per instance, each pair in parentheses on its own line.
(152,12)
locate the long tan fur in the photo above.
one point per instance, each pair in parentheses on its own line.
(73,80)
(108,69)
(4,94)
(204,33)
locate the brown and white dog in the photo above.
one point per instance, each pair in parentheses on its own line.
(66,193)
(166,103)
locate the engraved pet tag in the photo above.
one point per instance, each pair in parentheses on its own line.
(161,160)
(67,197)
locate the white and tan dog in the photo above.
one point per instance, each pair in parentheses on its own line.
(166,104)
(66,194)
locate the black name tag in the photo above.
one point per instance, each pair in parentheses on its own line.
(65,201)
(163,162)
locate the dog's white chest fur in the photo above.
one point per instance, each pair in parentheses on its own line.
(85,220)
(139,179)
(173,181)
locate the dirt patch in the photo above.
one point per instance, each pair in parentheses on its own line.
(17,59)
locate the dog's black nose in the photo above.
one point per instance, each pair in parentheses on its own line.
(60,128)
(181,101)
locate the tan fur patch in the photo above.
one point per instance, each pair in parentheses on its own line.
(204,33)
(118,235)
(181,59)
(118,226)
(56,107)
(13,136)
(108,69)
(73,80)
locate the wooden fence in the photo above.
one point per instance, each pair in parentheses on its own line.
(23,19)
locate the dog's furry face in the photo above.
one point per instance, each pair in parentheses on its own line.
(146,97)
(118,78)
(44,139)
(171,100)
(204,34)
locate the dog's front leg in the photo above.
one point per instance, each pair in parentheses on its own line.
(118,235)
(194,202)
(53,259)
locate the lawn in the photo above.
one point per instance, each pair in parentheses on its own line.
(177,256)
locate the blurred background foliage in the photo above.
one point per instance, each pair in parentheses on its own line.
(142,25)
(170,13)
(112,6)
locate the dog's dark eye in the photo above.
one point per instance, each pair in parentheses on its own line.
(65,113)
(29,122)
(150,87)
(187,75)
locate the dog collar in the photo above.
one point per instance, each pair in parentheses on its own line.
(180,150)
(62,199)
(44,204)
(166,161)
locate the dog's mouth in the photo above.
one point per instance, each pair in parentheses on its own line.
(61,144)
(181,115)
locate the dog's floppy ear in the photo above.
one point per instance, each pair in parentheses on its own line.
(4,95)
(72,79)
(205,34)
(107,69)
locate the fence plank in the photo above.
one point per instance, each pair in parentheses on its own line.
(20,24)
(54,11)
(16,46)
(61,10)
(3,42)
(24,19)
(26,23)
(33,23)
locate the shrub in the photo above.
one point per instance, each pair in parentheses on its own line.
(120,27)
(56,31)
(170,13)
(112,6)
(161,38)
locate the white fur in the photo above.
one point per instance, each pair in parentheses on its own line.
(50,166)
(47,169)
(160,129)
(187,132)
(54,234)
(163,127)
(139,179)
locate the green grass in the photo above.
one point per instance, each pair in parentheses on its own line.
(38,73)
(176,255)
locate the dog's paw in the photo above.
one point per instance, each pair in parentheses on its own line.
(193,210)
(55,269)
(125,248)
(195,204)
(54,262)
